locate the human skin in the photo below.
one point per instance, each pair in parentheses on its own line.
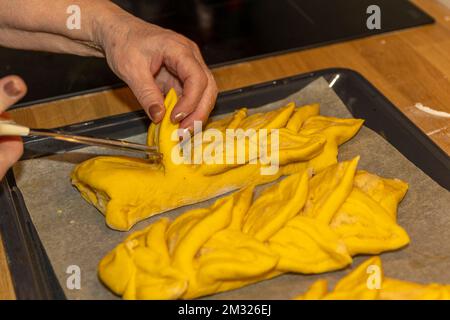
(150,59)
(12,89)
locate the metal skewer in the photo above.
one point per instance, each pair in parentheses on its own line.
(9,128)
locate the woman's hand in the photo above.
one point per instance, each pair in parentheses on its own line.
(12,89)
(151,60)
(148,58)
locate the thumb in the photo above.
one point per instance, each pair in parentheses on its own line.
(149,96)
(12,89)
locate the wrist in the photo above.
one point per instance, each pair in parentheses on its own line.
(109,21)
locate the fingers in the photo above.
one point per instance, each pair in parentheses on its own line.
(184,64)
(209,97)
(200,111)
(166,81)
(149,95)
(142,53)
(11,148)
(204,107)
(12,89)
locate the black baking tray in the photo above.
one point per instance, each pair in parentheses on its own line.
(32,273)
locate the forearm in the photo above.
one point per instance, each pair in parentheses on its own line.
(42,25)
(150,59)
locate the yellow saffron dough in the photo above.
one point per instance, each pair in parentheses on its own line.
(300,224)
(128,190)
(367,282)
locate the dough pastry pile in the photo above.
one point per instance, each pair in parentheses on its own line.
(367,282)
(128,190)
(302,224)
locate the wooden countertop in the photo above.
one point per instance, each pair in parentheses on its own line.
(407,66)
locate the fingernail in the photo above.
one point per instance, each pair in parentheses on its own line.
(11,89)
(154,112)
(189,128)
(185,134)
(179,116)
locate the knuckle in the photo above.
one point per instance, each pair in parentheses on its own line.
(176,48)
(183,40)
(185,50)
(193,45)
(174,41)
(146,96)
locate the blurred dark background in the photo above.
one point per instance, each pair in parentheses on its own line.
(225,30)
